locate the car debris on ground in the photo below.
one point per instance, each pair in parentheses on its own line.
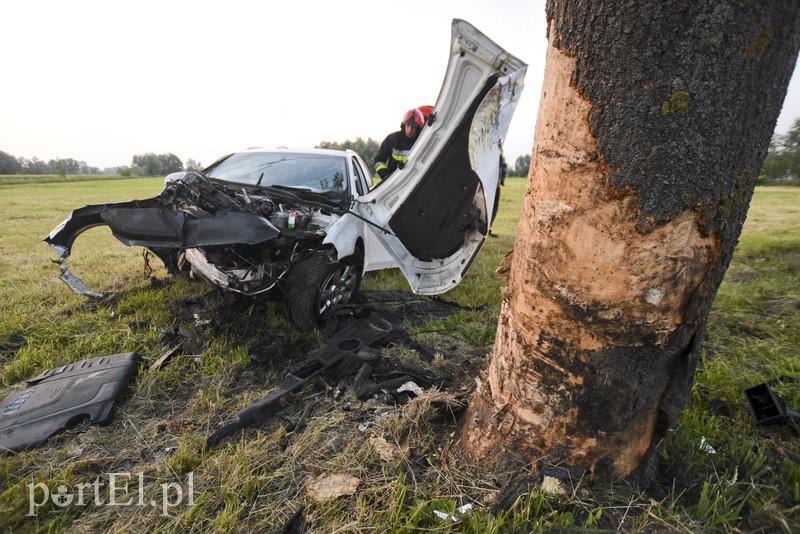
(58,399)
(768,407)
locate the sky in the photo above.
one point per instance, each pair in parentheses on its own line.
(100,81)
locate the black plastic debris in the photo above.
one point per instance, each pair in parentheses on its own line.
(61,398)
(350,341)
(768,407)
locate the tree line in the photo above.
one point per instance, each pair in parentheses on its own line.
(783,158)
(11,165)
(148,164)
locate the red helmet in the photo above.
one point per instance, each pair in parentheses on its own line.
(426,112)
(415,117)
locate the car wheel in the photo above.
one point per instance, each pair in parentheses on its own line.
(318,286)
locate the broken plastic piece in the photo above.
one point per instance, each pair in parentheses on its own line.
(706,447)
(76,284)
(350,340)
(61,398)
(411,387)
(768,408)
(455,518)
(444,516)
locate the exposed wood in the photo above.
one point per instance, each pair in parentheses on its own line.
(653,123)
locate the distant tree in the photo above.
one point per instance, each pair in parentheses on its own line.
(366,149)
(124,171)
(9,164)
(192,165)
(783,156)
(170,163)
(777,164)
(791,143)
(24,163)
(60,168)
(521,166)
(73,166)
(35,166)
(150,164)
(147,164)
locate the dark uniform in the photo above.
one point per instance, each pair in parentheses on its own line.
(394,150)
(393,153)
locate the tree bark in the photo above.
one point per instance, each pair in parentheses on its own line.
(654,121)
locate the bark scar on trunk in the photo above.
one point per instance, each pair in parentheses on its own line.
(580,369)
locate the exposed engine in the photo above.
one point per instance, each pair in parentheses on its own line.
(250,269)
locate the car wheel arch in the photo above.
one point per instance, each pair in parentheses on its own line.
(320,275)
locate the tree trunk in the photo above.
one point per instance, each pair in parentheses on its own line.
(654,121)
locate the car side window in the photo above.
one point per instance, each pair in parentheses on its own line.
(368,181)
(361,182)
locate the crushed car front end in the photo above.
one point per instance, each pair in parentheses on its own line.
(243,227)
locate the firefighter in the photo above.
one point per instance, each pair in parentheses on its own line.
(394,150)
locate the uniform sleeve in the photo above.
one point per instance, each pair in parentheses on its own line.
(382,157)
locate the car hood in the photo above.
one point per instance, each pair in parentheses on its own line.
(433,214)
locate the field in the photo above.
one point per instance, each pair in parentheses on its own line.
(8,179)
(719,471)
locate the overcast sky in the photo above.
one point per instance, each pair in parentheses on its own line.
(99,81)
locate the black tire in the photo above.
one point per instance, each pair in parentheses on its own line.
(318,286)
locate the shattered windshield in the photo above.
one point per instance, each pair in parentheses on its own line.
(312,172)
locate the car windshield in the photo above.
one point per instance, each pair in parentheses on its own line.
(319,173)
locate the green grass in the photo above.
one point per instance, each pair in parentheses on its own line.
(256,480)
(11,179)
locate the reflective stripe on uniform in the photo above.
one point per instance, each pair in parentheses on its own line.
(399,155)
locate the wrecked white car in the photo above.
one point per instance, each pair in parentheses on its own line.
(309,223)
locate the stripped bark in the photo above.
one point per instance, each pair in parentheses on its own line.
(653,124)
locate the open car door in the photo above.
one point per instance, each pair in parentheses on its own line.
(433,214)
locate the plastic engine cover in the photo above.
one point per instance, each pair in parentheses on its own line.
(62,397)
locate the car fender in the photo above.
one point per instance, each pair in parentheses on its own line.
(343,235)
